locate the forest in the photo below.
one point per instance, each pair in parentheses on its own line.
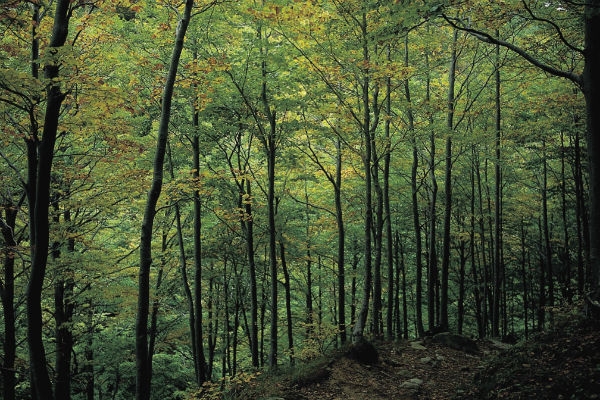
(195,191)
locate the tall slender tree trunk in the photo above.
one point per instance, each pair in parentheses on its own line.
(378,218)
(581,217)
(547,246)
(432,275)
(288,302)
(41,384)
(541,305)
(64,308)
(339,219)
(389,255)
(198,330)
(473,229)
(448,187)
(143,360)
(565,275)
(591,88)
(415,202)
(524,278)
(483,244)
(361,320)
(353,284)
(7,296)
(498,262)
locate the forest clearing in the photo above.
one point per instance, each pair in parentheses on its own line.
(202,198)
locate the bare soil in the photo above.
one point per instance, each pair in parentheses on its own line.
(554,365)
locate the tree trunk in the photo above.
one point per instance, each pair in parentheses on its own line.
(565,274)
(361,320)
(339,219)
(432,262)
(40,380)
(200,360)
(581,217)
(541,309)
(88,368)
(355,260)
(271,152)
(288,302)
(473,229)
(524,279)
(547,246)
(143,368)
(378,248)
(448,186)
(498,262)
(387,208)
(415,202)
(63,317)
(591,89)
(7,295)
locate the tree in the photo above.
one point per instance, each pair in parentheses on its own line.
(587,81)
(40,201)
(143,358)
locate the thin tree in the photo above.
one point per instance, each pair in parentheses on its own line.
(588,81)
(448,185)
(415,201)
(143,358)
(41,385)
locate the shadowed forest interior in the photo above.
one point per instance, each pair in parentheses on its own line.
(194,191)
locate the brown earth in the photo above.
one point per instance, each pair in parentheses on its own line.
(555,365)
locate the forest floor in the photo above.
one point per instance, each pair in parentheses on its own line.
(563,364)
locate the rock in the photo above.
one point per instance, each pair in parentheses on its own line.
(412,384)
(456,342)
(499,345)
(417,345)
(364,352)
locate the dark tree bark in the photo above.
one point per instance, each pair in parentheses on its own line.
(40,238)
(498,265)
(249,234)
(547,246)
(336,182)
(448,187)
(244,186)
(378,225)
(269,139)
(355,261)
(591,90)
(415,203)
(524,278)
(339,219)
(7,296)
(387,208)
(565,274)
(64,307)
(198,330)
(288,302)
(88,368)
(361,320)
(143,359)
(477,296)
(462,253)
(581,217)
(589,83)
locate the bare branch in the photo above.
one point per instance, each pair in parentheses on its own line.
(486,37)
(553,25)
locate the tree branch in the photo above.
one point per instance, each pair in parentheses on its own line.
(486,37)
(553,25)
